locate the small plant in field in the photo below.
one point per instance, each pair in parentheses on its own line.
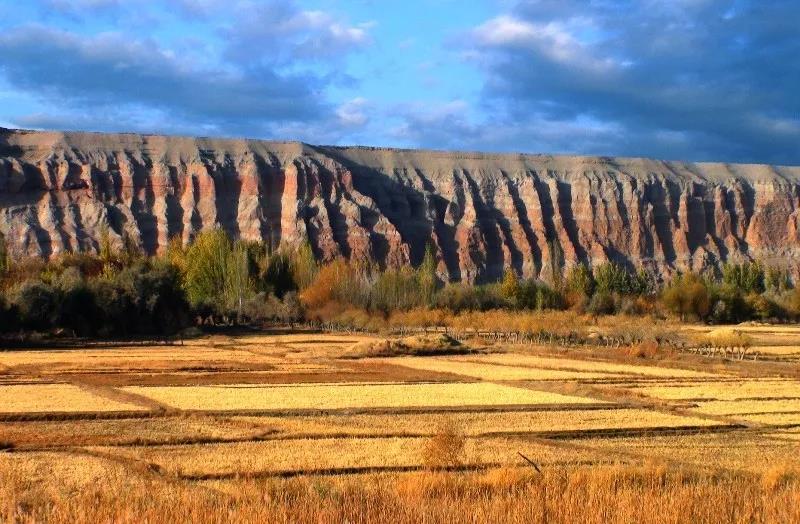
(778,477)
(644,349)
(445,448)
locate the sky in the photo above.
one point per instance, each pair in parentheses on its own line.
(715,80)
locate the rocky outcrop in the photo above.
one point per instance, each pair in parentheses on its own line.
(481,212)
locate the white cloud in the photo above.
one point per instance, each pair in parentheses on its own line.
(556,40)
(352,113)
(279,32)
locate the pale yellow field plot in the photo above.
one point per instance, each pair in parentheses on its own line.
(732,390)
(319,454)
(714,450)
(773,419)
(127,431)
(489,371)
(38,398)
(61,472)
(119,357)
(780,352)
(333,396)
(476,424)
(512,359)
(788,434)
(748,407)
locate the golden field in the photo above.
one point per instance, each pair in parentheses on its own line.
(34,398)
(344,396)
(289,427)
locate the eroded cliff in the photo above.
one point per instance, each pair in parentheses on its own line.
(481,212)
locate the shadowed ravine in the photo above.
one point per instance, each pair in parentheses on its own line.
(481,212)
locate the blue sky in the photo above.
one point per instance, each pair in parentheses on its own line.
(675,79)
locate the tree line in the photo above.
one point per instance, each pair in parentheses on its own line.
(219,280)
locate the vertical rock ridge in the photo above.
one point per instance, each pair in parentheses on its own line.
(481,213)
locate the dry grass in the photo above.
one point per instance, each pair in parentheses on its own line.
(743,407)
(495,372)
(481,423)
(37,434)
(732,390)
(787,434)
(348,396)
(308,456)
(37,398)
(713,451)
(648,495)
(515,359)
(198,467)
(773,419)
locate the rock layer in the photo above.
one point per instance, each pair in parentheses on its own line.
(481,212)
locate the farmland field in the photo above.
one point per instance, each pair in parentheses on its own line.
(295,415)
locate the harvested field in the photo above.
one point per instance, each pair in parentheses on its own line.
(731,390)
(518,360)
(33,398)
(178,429)
(748,407)
(348,396)
(773,419)
(487,371)
(481,424)
(223,414)
(273,457)
(713,451)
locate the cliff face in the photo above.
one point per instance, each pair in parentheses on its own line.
(482,213)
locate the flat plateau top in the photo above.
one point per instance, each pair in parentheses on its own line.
(36,146)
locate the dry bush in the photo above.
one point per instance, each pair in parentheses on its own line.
(647,349)
(417,345)
(726,338)
(445,448)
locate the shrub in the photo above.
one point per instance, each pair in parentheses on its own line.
(37,305)
(464,297)
(330,283)
(762,307)
(266,307)
(445,448)
(150,297)
(8,315)
(602,303)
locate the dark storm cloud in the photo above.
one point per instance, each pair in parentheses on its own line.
(238,67)
(682,78)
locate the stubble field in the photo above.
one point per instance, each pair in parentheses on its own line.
(258,424)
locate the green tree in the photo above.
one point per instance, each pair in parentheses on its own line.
(612,278)
(747,277)
(3,256)
(238,285)
(278,275)
(777,280)
(687,296)
(37,305)
(426,277)
(304,265)
(556,262)
(579,281)
(510,287)
(207,267)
